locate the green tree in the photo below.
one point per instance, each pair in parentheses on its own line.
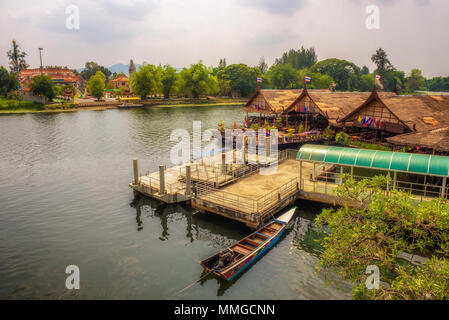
(262,66)
(283,76)
(241,78)
(91,69)
(169,79)
(415,81)
(8,82)
(16,57)
(365,70)
(43,86)
(298,59)
(380,59)
(147,80)
(321,81)
(96,85)
(365,83)
(341,71)
(197,80)
(377,229)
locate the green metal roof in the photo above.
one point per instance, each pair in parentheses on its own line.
(374,159)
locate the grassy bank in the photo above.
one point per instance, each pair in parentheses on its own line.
(16,106)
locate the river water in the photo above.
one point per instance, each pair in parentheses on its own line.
(65,200)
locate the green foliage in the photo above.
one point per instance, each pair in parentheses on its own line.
(321,81)
(376,230)
(416,81)
(298,59)
(91,68)
(262,66)
(241,78)
(342,137)
(16,58)
(96,85)
(341,71)
(169,79)
(147,80)
(438,84)
(380,59)
(283,76)
(197,80)
(255,127)
(8,82)
(17,105)
(329,134)
(278,123)
(42,85)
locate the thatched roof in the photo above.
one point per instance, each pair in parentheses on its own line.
(437,139)
(277,100)
(336,105)
(420,113)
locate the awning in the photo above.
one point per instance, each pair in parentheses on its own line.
(381,160)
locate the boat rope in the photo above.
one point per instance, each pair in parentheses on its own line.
(192,284)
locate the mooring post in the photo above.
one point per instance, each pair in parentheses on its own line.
(136,171)
(188,180)
(162,179)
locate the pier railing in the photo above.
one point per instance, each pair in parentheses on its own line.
(248,205)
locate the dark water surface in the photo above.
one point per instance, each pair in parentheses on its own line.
(64,199)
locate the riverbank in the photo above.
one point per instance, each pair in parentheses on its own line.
(16,106)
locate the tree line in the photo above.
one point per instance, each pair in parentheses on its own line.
(287,72)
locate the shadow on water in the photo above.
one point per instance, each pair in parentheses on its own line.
(199,226)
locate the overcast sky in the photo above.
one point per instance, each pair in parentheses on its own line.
(180,32)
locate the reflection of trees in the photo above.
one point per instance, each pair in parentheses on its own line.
(306,236)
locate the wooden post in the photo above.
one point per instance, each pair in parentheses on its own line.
(352,172)
(188,180)
(395,179)
(443,187)
(314,171)
(136,171)
(162,179)
(300,174)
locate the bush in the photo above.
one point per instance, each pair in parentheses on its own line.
(342,138)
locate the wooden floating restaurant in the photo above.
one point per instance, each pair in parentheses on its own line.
(239,192)
(376,117)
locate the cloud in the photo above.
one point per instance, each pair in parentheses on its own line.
(283,7)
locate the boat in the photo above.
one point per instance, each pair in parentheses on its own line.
(229,263)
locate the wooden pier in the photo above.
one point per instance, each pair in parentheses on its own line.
(254,193)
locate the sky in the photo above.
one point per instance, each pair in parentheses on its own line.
(181,32)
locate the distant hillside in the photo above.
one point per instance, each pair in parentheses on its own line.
(120,67)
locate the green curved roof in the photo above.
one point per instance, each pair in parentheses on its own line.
(382,160)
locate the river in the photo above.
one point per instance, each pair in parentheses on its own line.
(65,200)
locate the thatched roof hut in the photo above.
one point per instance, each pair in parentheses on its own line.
(403,113)
(271,101)
(436,139)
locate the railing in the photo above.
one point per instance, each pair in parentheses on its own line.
(326,183)
(151,185)
(246,204)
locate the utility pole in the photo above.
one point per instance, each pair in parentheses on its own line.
(40,55)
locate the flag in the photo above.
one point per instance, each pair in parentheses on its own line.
(246,124)
(267,132)
(378,77)
(235,125)
(308,79)
(259,79)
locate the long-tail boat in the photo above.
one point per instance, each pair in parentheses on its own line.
(229,263)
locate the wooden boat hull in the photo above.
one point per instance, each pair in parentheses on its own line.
(245,260)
